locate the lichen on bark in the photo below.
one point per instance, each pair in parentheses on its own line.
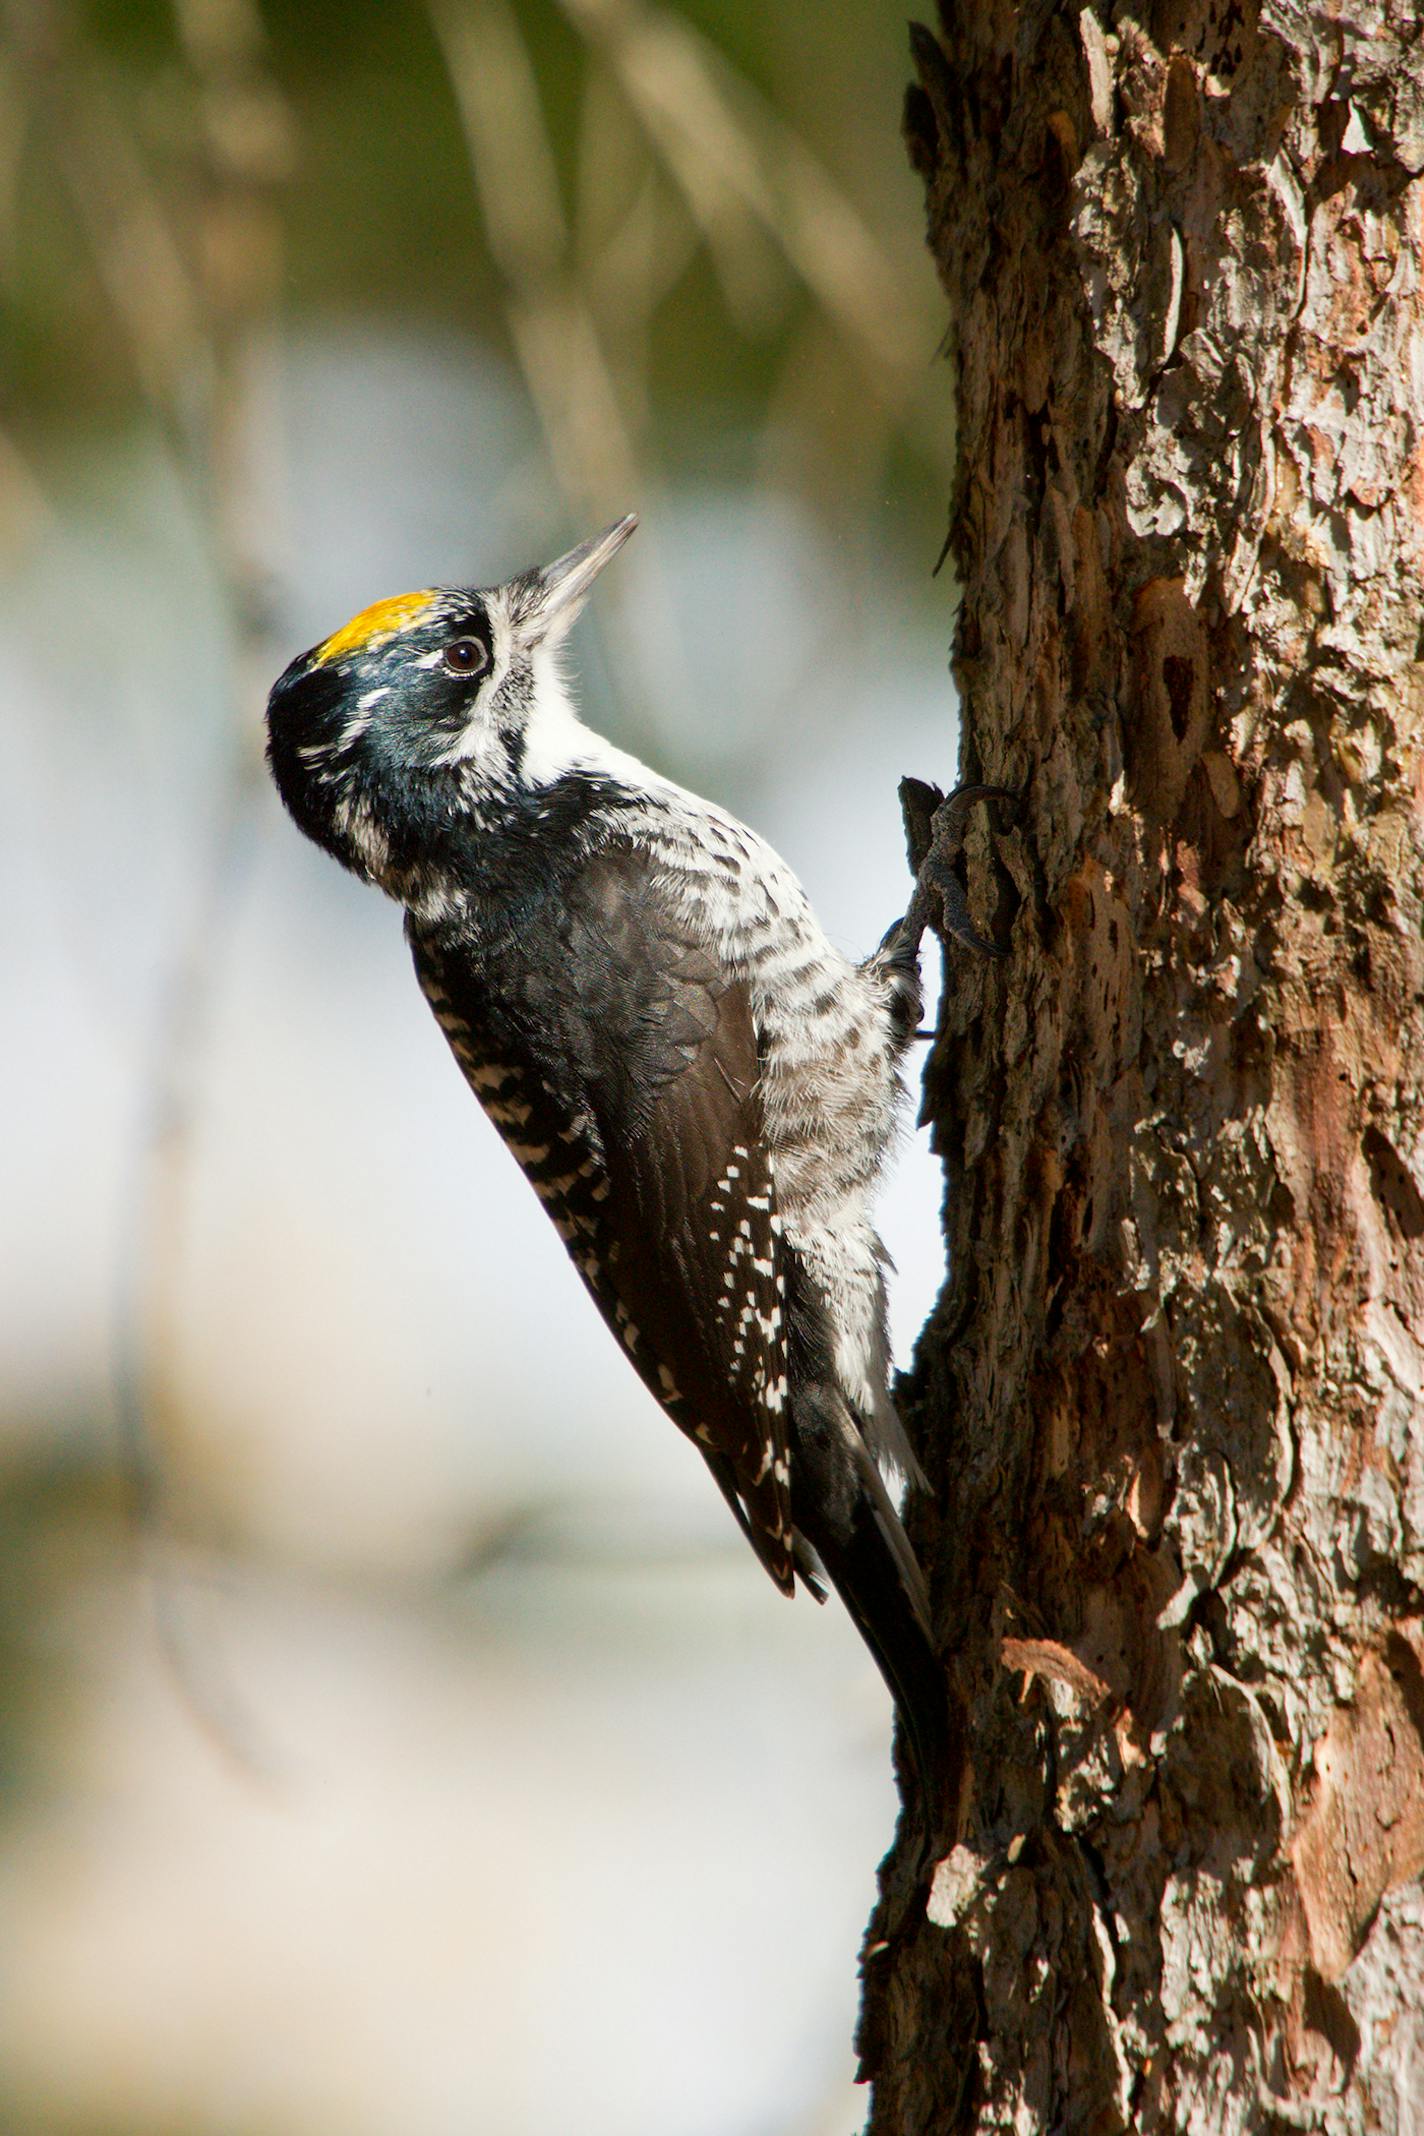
(1173,1395)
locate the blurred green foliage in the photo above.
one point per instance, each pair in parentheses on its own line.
(686,229)
(777,302)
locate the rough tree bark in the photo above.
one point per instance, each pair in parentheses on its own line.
(1174,1391)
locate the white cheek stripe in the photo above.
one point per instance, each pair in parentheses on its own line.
(354,728)
(468,745)
(555,739)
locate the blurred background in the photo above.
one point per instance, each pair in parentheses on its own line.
(396,1736)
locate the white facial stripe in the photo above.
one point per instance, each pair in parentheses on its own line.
(355,818)
(360,719)
(355,727)
(555,739)
(467,747)
(501,642)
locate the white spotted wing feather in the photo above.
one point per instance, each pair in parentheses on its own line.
(629,1093)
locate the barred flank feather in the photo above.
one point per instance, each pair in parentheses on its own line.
(700,1089)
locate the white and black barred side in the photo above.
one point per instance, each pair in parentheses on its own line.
(699,1087)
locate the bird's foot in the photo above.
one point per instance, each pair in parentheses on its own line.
(934,834)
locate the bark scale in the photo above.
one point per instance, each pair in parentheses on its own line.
(1173,1395)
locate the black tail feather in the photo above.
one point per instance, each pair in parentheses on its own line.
(858,1538)
(865,1573)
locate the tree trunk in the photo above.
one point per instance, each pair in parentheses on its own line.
(1174,1392)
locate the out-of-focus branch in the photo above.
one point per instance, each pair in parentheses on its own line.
(704,166)
(555,336)
(137,261)
(598,460)
(24,507)
(193,289)
(740,167)
(237,248)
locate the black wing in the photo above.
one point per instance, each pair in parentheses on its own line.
(619,1061)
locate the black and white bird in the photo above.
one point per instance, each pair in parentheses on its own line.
(700,1089)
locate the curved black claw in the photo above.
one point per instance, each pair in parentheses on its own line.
(934,834)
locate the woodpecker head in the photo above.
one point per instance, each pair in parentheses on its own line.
(427,707)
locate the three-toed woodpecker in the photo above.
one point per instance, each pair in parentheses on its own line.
(700,1089)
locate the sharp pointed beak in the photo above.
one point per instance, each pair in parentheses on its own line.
(557,593)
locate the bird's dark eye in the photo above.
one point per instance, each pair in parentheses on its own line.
(466,656)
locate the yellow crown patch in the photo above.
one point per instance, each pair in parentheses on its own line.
(374,624)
